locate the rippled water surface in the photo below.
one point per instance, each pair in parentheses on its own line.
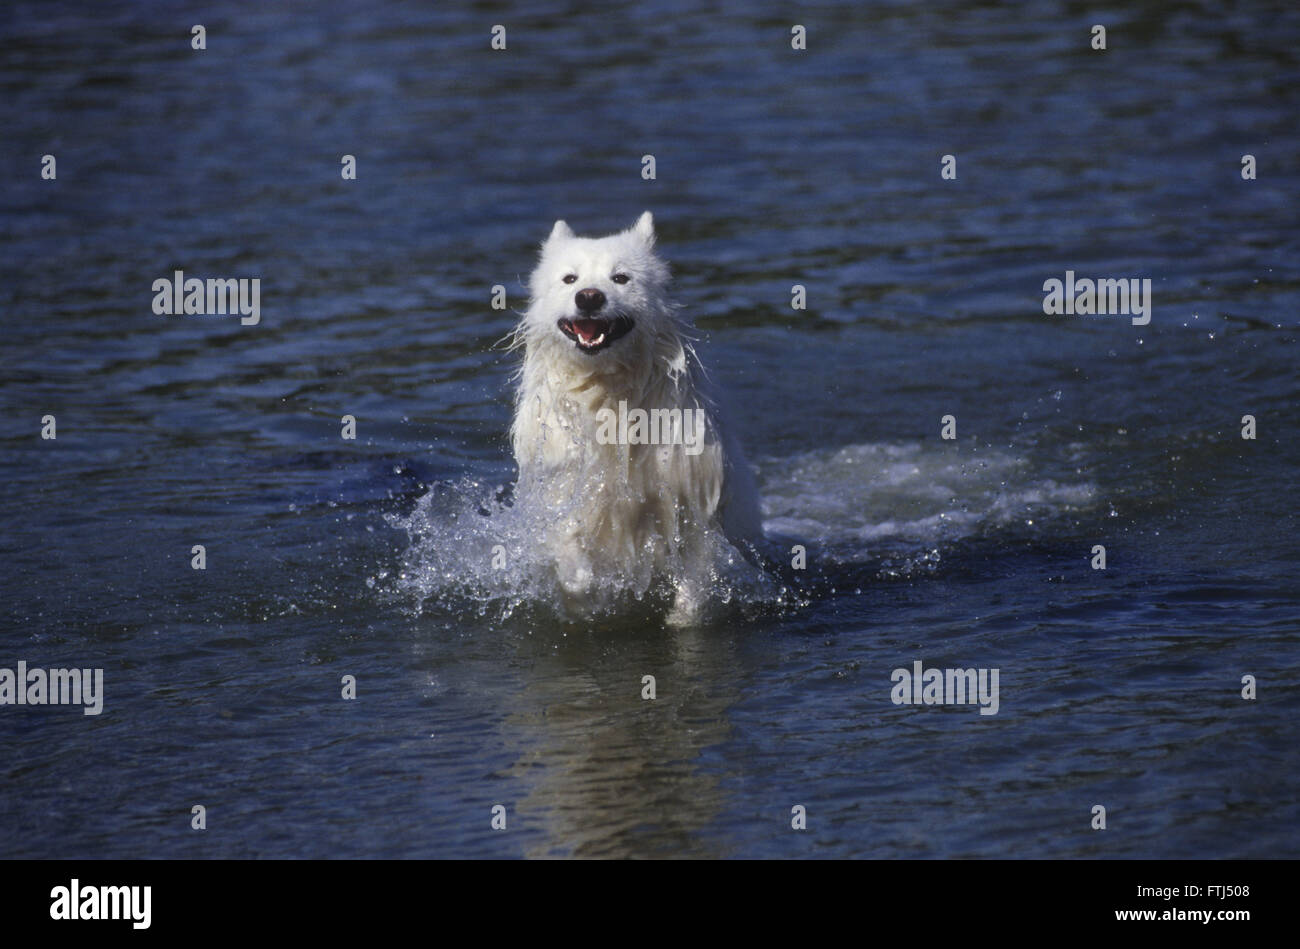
(328,558)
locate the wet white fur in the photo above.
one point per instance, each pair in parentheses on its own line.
(624,515)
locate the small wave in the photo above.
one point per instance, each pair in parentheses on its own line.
(896,507)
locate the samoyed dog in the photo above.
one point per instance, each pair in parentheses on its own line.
(617,433)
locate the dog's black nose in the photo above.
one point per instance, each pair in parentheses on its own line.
(589,300)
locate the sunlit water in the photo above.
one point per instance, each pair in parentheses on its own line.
(328,558)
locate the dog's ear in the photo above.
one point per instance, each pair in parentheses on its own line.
(560,231)
(644,227)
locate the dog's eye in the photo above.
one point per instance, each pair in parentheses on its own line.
(620,278)
(571,278)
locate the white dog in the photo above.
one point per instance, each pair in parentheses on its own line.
(616,434)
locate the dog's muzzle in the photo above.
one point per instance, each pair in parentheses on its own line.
(591,334)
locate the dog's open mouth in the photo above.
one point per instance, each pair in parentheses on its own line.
(592,334)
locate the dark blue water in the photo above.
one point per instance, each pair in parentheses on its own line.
(1119,687)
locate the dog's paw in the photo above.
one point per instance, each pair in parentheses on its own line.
(575,573)
(688,605)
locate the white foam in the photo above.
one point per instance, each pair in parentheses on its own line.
(925,493)
(900,504)
(468,549)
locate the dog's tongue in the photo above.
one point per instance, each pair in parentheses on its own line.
(588,330)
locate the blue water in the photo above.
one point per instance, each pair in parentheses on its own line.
(1119,687)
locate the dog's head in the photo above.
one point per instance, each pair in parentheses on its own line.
(598,298)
